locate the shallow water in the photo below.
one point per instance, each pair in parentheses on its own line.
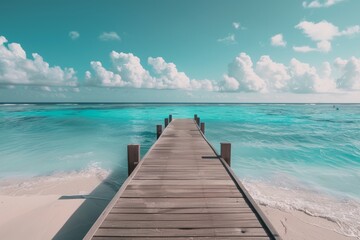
(307,154)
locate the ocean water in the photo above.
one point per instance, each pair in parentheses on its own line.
(289,156)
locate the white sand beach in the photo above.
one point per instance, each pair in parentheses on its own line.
(36,209)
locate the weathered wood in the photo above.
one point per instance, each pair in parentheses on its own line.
(202,128)
(133,151)
(181,224)
(166,122)
(195,116)
(170,118)
(181,190)
(180,216)
(226,152)
(158,131)
(180,238)
(198,121)
(200,232)
(182,210)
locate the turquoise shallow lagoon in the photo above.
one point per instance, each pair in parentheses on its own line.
(300,156)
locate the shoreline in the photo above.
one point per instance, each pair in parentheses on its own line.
(52,201)
(297,225)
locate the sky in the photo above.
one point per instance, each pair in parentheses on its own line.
(181,51)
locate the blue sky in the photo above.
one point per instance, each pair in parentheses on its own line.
(251,50)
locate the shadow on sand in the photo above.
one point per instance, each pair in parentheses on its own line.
(85,216)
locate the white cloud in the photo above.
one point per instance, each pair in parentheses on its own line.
(274,74)
(320,4)
(229,84)
(243,75)
(16,68)
(74,35)
(322,33)
(109,36)
(242,70)
(350,73)
(230,39)
(350,31)
(102,76)
(278,40)
(322,46)
(127,71)
(304,49)
(305,79)
(236,25)
(319,31)
(270,76)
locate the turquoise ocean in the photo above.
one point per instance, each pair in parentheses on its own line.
(290,156)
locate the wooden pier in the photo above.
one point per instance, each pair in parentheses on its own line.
(182,189)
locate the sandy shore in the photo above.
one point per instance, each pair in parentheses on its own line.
(296,225)
(40,210)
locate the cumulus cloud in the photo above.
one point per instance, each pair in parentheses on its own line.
(350,73)
(278,40)
(322,33)
(243,75)
(241,69)
(109,36)
(275,75)
(74,35)
(127,71)
(320,4)
(16,68)
(229,39)
(270,76)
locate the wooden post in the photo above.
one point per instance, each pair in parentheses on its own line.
(158,130)
(198,121)
(170,118)
(226,152)
(195,116)
(166,122)
(202,127)
(133,156)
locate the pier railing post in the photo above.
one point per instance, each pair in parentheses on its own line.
(133,151)
(202,127)
(170,118)
(158,130)
(195,116)
(166,122)
(226,152)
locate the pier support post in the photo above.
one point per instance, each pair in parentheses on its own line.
(166,122)
(202,127)
(170,118)
(195,116)
(133,151)
(158,131)
(226,152)
(198,121)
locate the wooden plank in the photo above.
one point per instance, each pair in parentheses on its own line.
(181,210)
(181,216)
(182,182)
(181,238)
(181,224)
(181,194)
(175,187)
(201,232)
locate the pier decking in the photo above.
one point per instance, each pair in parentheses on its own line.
(182,190)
